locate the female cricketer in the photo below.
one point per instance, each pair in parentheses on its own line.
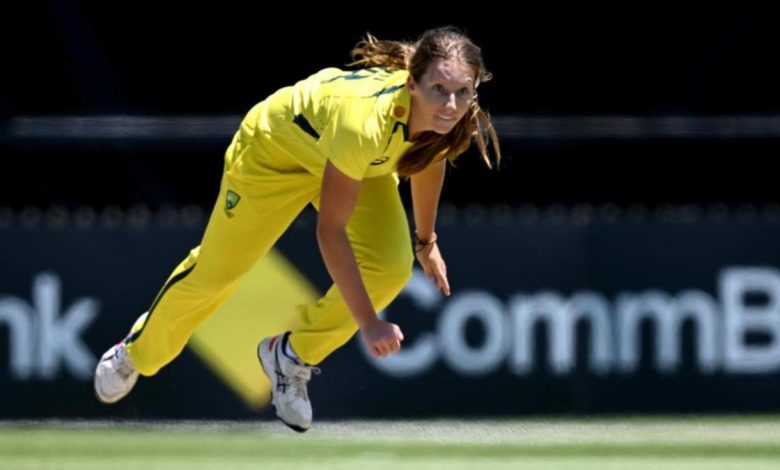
(337,140)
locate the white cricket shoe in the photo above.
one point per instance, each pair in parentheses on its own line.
(115,375)
(288,382)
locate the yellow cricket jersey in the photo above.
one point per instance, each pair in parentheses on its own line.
(356,119)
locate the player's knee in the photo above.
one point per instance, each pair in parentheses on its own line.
(398,269)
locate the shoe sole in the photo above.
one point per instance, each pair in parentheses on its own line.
(107,401)
(100,398)
(294,427)
(103,400)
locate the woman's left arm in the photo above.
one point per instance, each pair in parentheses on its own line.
(426,190)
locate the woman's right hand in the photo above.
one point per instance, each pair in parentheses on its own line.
(381,338)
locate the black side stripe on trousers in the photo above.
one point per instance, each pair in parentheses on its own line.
(167,286)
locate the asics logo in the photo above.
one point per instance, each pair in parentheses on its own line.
(281,380)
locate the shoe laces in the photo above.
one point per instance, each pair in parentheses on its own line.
(299,378)
(124,366)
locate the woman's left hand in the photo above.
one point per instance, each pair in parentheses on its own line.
(433,264)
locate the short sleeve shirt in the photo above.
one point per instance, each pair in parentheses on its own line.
(356,119)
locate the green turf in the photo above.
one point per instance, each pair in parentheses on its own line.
(603,444)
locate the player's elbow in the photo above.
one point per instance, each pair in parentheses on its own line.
(329,229)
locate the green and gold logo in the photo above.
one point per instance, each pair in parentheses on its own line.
(231,201)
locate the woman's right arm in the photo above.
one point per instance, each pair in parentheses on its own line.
(337,203)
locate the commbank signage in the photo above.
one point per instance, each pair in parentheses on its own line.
(544,318)
(720,343)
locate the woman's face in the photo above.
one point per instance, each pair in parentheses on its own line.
(441,97)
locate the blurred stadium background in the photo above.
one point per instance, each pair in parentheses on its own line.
(621,267)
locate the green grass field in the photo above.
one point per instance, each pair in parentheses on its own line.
(680,443)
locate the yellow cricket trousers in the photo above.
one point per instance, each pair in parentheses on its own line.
(260,196)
